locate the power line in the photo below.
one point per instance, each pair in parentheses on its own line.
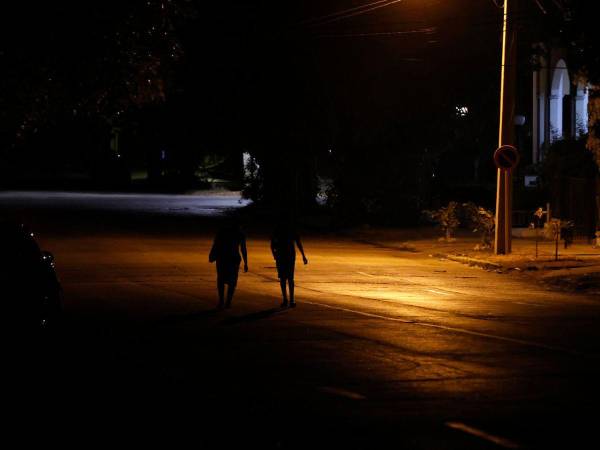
(540,6)
(559,4)
(428,30)
(344,11)
(519,20)
(342,15)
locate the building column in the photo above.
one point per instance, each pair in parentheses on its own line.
(556,117)
(581,114)
(535,119)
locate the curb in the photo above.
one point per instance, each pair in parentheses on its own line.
(401,248)
(470,261)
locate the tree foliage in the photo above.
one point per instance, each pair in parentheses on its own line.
(568,158)
(98,59)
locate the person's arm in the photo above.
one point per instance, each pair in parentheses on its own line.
(244,253)
(273,248)
(212,255)
(299,244)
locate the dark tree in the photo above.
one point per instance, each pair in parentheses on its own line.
(93,61)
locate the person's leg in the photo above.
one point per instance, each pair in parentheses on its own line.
(230,292)
(283,291)
(291,282)
(291,286)
(221,291)
(232,283)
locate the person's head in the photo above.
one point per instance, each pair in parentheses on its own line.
(285,217)
(230,224)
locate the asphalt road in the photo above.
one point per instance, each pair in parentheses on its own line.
(386,348)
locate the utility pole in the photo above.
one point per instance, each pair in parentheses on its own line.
(506,133)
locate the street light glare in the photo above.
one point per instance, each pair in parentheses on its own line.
(462,111)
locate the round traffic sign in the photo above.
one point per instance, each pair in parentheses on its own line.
(506,157)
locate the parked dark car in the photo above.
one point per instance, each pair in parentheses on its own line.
(29,287)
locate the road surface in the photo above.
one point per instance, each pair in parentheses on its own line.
(385,346)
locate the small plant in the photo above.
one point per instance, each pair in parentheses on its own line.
(557,228)
(566,233)
(447,218)
(481,221)
(537,221)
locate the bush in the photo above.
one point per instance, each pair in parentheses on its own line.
(557,228)
(568,158)
(253,178)
(482,221)
(447,218)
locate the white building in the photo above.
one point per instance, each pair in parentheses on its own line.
(560,101)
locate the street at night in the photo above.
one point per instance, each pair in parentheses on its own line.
(384,344)
(300,224)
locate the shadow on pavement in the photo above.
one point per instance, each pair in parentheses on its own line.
(252,316)
(178,318)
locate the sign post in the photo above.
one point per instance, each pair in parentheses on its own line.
(506,159)
(506,134)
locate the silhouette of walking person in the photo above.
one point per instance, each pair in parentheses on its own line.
(283,247)
(225,251)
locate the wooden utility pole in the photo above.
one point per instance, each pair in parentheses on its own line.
(506,133)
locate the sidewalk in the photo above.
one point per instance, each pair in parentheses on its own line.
(577,268)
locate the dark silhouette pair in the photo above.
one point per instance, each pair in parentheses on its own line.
(230,241)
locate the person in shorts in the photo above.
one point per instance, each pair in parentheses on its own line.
(283,246)
(229,242)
